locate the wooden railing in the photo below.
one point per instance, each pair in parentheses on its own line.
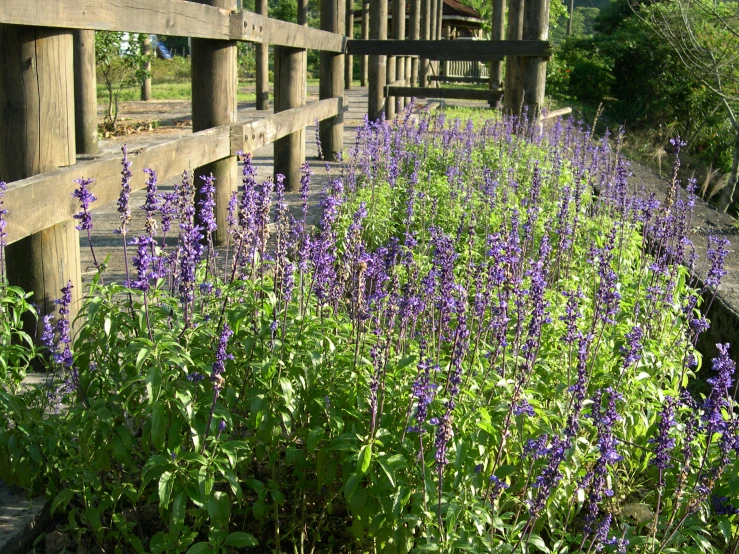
(37,142)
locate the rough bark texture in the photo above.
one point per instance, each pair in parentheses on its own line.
(37,134)
(85,93)
(214,81)
(331,131)
(514,31)
(262,63)
(377,64)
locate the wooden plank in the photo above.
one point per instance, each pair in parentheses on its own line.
(453,79)
(448,93)
(248,136)
(167,17)
(39,202)
(555,114)
(450,49)
(252,27)
(349,32)
(160,17)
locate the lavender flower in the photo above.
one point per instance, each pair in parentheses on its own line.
(207,203)
(222,354)
(663,442)
(124,209)
(151,203)
(83,194)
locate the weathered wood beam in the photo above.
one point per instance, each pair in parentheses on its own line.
(168,17)
(37,135)
(248,136)
(450,49)
(261,54)
(214,83)
(377,61)
(161,17)
(252,27)
(43,201)
(459,79)
(289,86)
(447,93)
(85,92)
(331,85)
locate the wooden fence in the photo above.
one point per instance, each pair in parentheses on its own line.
(39,100)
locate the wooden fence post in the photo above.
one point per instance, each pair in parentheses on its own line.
(415,23)
(262,63)
(349,32)
(365,36)
(391,63)
(425,29)
(399,34)
(514,31)
(331,131)
(534,69)
(432,36)
(497,33)
(146,85)
(377,64)
(439,34)
(37,135)
(214,82)
(288,73)
(85,92)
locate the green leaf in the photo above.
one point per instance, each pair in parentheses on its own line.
(351,485)
(158,427)
(62,499)
(178,510)
(538,542)
(165,488)
(389,472)
(200,548)
(723,523)
(239,540)
(106,326)
(364,459)
(219,510)
(153,383)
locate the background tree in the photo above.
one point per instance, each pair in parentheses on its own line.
(705,37)
(120,64)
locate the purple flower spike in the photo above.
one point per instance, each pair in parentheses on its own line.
(124,209)
(219,366)
(83,194)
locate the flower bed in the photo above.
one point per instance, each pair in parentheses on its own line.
(486,346)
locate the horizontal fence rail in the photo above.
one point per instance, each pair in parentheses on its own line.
(450,49)
(168,17)
(447,93)
(42,201)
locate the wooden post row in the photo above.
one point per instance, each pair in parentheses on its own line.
(377,64)
(262,62)
(349,32)
(331,131)
(37,134)
(85,92)
(214,82)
